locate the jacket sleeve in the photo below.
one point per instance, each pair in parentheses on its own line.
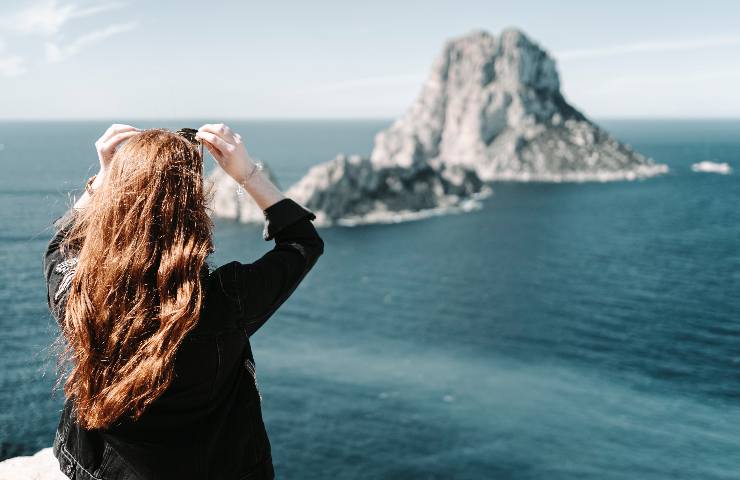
(59,269)
(259,288)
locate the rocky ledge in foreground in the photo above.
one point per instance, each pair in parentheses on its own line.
(491,110)
(41,466)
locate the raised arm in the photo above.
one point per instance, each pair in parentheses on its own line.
(259,288)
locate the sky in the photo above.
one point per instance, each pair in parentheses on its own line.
(342,59)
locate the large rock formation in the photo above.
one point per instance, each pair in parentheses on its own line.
(491,110)
(494,104)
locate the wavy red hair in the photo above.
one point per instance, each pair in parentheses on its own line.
(141,243)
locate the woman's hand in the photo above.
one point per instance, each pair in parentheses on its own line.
(106,144)
(106,147)
(228,150)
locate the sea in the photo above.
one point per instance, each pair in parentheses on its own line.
(561,331)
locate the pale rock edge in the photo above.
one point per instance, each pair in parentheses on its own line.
(41,466)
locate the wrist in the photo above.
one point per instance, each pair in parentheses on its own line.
(95,182)
(253,171)
(99,179)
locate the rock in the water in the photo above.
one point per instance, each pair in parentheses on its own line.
(494,104)
(351,190)
(491,110)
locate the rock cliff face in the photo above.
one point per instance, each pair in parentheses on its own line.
(491,110)
(494,104)
(351,190)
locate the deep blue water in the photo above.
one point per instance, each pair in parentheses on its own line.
(562,331)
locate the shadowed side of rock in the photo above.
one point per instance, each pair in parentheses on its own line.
(351,188)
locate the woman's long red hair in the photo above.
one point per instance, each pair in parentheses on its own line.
(141,244)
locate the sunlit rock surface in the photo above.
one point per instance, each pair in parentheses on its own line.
(491,110)
(41,466)
(493,103)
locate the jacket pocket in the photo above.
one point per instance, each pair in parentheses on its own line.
(106,460)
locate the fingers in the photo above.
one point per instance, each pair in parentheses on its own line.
(117,128)
(222,131)
(225,145)
(113,130)
(219,129)
(217,154)
(118,138)
(106,144)
(222,145)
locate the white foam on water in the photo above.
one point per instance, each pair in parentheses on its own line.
(637,173)
(454,205)
(708,166)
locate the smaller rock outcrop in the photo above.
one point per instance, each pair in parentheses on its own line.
(350,190)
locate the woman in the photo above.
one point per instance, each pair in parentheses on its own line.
(161,381)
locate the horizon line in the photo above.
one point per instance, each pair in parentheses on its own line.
(332,118)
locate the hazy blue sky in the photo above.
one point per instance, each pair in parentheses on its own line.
(134,59)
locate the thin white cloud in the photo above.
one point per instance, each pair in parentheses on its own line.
(367,82)
(640,83)
(650,47)
(48,17)
(58,53)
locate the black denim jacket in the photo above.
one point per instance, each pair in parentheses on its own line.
(208,423)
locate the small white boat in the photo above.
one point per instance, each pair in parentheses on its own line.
(712,167)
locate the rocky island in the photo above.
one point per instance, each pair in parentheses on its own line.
(491,110)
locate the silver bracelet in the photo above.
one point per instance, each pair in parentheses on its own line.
(258,166)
